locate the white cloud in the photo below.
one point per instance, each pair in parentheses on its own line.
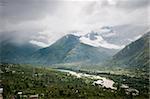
(109,34)
(112,2)
(135,38)
(54,19)
(41,44)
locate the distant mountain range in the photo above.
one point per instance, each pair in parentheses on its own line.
(90,48)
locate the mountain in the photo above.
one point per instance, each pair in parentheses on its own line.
(70,49)
(135,54)
(121,34)
(96,39)
(56,52)
(95,47)
(87,54)
(115,37)
(15,53)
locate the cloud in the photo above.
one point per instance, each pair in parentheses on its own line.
(24,10)
(109,34)
(53,19)
(41,44)
(99,42)
(135,38)
(132,4)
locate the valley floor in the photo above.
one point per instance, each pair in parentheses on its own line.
(28,82)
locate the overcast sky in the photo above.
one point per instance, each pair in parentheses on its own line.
(45,21)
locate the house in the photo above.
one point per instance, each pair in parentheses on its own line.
(133,91)
(1,93)
(34,96)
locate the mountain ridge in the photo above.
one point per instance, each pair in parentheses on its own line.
(16,53)
(136,54)
(69,49)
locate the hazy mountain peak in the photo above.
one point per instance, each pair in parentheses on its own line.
(96,40)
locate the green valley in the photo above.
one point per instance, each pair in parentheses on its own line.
(26,80)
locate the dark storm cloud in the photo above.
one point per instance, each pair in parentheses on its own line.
(25,10)
(19,10)
(15,11)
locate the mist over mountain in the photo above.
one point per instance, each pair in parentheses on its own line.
(91,48)
(120,35)
(16,53)
(125,34)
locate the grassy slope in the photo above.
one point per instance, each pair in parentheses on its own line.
(136,54)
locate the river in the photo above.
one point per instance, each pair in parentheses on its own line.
(98,80)
(103,81)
